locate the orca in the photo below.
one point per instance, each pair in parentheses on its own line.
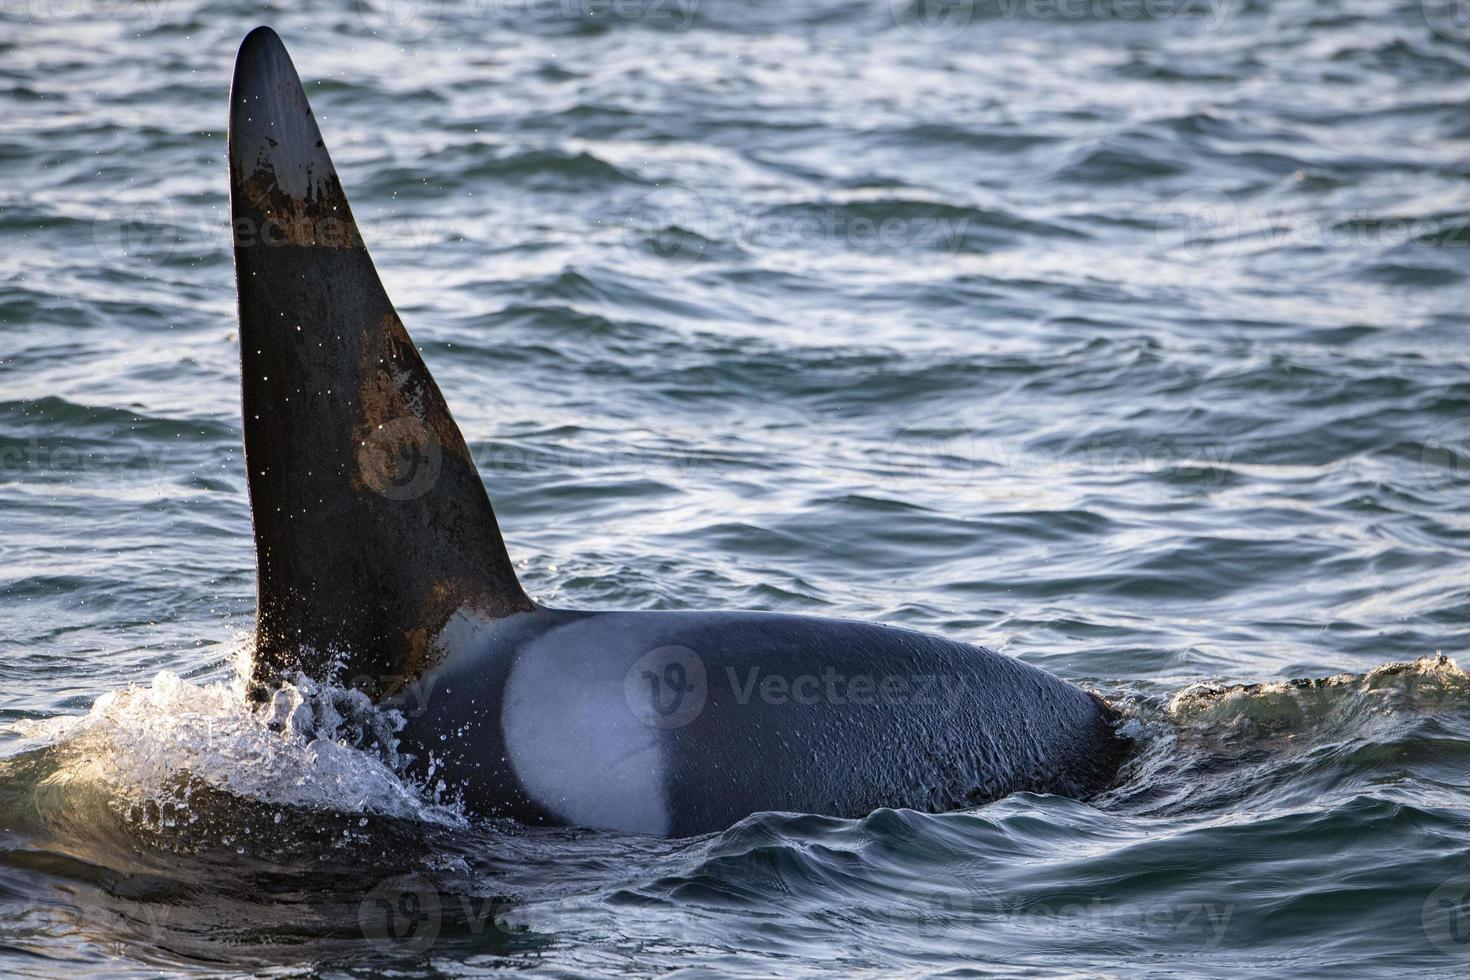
(380,565)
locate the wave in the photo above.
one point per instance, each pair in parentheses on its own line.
(186,826)
(1283,742)
(325,748)
(153,747)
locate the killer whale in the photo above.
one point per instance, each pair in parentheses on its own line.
(380,564)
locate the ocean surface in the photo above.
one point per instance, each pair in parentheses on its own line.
(1127,337)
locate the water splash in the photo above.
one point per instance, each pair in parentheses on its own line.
(1285,743)
(1323,708)
(315,746)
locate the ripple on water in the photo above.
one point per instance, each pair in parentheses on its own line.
(1175,406)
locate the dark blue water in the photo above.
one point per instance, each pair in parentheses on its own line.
(1128,338)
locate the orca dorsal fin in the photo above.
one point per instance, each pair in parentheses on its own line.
(372,526)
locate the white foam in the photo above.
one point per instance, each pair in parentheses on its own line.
(313,746)
(1387,691)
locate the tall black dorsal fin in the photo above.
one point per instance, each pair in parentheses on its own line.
(372,527)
